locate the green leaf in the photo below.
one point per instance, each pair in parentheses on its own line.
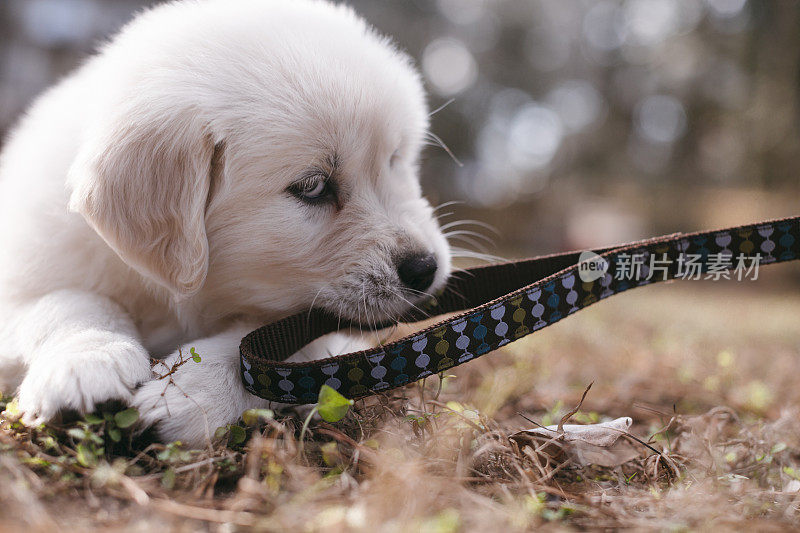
(168,478)
(115,434)
(330,453)
(85,456)
(76,433)
(93,419)
(252,416)
(195,355)
(126,418)
(220,432)
(238,434)
(12,409)
(332,405)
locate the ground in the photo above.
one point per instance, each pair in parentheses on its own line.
(707,371)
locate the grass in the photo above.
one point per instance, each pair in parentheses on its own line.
(709,375)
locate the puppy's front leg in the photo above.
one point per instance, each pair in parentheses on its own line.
(79,348)
(204,396)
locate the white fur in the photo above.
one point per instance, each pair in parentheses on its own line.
(144,204)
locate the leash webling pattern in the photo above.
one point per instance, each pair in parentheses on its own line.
(505,302)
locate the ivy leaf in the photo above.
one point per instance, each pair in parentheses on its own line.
(195,355)
(330,453)
(252,416)
(85,456)
(12,409)
(76,433)
(93,419)
(126,418)
(332,405)
(238,434)
(115,434)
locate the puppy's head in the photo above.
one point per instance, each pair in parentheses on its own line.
(269,169)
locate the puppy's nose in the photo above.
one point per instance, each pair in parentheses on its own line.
(417,271)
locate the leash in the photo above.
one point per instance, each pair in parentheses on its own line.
(498,304)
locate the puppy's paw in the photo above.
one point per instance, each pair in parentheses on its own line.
(81,372)
(175,415)
(192,403)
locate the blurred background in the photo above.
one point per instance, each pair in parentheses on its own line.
(572,123)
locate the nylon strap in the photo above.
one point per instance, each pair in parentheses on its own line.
(503,303)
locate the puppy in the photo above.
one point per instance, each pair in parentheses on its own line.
(218,165)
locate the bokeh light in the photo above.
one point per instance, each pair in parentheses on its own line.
(660,118)
(449,66)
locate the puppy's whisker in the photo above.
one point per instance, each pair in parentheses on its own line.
(472,242)
(462,253)
(441,107)
(364,302)
(471,222)
(339,316)
(419,292)
(444,147)
(457,293)
(400,295)
(378,340)
(360,323)
(447,204)
(369,317)
(311,307)
(470,233)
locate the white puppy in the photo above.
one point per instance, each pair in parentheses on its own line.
(219,164)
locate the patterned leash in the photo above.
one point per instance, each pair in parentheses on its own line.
(499,304)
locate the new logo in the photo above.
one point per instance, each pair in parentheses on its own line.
(591,266)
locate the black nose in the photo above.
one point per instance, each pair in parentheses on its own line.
(417,271)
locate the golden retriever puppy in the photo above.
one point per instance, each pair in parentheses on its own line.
(218,165)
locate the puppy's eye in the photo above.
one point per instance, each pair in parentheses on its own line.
(313,190)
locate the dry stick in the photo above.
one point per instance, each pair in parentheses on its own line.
(175,367)
(134,490)
(439,390)
(666,459)
(188,467)
(651,409)
(536,460)
(219,516)
(534,422)
(338,435)
(664,430)
(575,410)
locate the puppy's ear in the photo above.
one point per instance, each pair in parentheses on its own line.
(143,185)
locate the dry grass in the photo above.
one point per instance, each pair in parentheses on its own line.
(708,374)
